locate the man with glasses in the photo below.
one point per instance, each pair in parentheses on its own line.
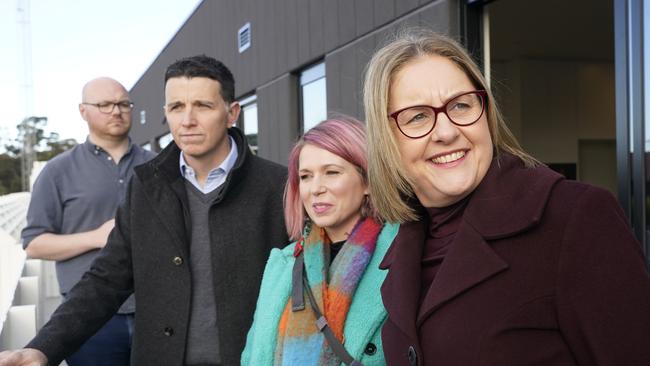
(73,205)
(191,237)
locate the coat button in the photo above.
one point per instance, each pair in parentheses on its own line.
(177,261)
(413,356)
(168,331)
(370,349)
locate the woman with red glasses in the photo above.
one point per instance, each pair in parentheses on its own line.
(498,260)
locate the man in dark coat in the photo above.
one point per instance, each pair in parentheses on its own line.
(190,239)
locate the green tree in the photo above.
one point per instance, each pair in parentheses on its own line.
(45,147)
(54,147)
(9,174)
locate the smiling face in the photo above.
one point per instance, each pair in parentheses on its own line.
(199,119)
(332,191)
(449,163)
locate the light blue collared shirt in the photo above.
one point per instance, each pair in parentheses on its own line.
(216,176)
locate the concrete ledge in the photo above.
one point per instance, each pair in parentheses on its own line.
(19,327)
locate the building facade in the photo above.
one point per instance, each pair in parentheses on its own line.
(567,74)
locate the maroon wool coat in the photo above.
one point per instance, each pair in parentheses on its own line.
(542,271)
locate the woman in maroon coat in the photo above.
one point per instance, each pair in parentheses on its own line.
(499,260)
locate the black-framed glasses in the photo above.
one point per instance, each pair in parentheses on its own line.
(108,107)
(462,110)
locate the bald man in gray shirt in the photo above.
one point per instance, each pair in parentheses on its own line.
(73,206)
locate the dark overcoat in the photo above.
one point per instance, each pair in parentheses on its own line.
(148,251)
(542,271)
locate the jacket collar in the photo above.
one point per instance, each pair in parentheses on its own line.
(510,199)
(164,186)
(167,161)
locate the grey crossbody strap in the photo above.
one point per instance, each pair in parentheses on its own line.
(299,286)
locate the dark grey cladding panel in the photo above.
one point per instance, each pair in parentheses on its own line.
(348,77)
(280,42)
(245,66)
(289,16)
(345,70)
(277,106)
(364,50)
(269,36)
(443,17)
(302,12)
(287,35)
(384,12)
(333,80)
(340,77)
(346,65)
(316,34)
(331,28)
(404,6)
(364,15)
(148,95)
(346,26)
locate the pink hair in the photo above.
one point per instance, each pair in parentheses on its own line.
(342,136)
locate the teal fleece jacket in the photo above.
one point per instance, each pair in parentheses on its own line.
(362,331)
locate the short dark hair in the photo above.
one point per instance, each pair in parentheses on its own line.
(204,66)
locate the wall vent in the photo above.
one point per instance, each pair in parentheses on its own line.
(244,37)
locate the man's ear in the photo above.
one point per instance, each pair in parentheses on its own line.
(82,111)
(233,113)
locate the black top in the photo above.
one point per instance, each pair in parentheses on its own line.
(443,225)
(335,248)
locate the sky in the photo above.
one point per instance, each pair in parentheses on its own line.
(73,41)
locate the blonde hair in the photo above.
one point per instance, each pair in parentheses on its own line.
(388,182)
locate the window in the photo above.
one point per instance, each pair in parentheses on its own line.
(248,120)
(313,93)
(164,140)
(147,146)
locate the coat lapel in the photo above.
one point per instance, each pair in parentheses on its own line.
(510,199)
(367,313)
(170,212)
(165,190)
(401,289)
(469,262)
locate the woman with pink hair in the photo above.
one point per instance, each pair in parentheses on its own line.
(319,301)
